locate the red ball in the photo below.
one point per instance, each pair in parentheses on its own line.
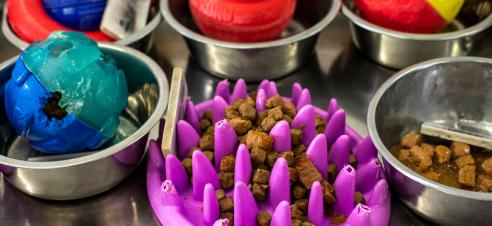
(242,20)
(415,16)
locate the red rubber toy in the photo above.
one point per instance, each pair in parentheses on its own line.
(30,22)
(242,20)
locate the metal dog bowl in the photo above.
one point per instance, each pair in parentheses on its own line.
(65,177)
(464,36)
(446,89)
(254,61)
(141,40)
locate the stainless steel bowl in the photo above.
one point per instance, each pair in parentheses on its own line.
(141,40)
(442,89)
(75,176)
(465,36)
(254,61)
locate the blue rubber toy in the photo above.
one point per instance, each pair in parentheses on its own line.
(83,15)
(93,93)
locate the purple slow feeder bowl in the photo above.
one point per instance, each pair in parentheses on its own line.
(176,201)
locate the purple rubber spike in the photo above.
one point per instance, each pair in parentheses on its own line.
(279,182)
(242,166)
(332,108)
(203,173)
(240,91)
(225,141)
(272,89)
(156,154)
(171,198)
(176,173)
(380,203)
(368,175)
(304,99)
(340,152)
(186,137)
(261,98)
(315,204)
(306,117)
(281,215)
(360,216)
(281,137)
(344,191)
(204,106)
(222,222)
(265,85)
(296,92)
(335,127)
(218,109)
(318,154)
(210,205)
(222,90)
(365,151)
(191,116)
(245,209)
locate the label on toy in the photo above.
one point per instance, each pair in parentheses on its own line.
(124,17)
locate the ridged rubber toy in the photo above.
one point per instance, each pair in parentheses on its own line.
(65,95)
(82,15)
(30,22)
(178,199)
(414,16)
(242,20)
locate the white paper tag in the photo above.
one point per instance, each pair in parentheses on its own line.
(122,18)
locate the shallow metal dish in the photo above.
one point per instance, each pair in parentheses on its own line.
(141,40)
(254,61)
(445,89)
(466,35)
(80,175)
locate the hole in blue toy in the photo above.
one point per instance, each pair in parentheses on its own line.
(52,108)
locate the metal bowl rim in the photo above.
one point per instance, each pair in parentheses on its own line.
(388,157)
(190,34)
(472,30)
(144,129)
(21,44)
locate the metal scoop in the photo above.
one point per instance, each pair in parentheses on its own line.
(466,131)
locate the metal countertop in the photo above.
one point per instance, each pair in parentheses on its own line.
(337,70)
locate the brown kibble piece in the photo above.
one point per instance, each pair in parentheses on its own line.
(275,113)
(210,155)
(428,148)
(299,192)
(268,123)
(209,131)
(258,192)
(296,135)
(332,171)
(308,173)
(259,139)
(338,219)
(423,158)
(207,115)
(227,163)
(307,223)
(431,175)
(487,166)
(359,198)
(204,124)
(271,158)
(287,118)
(260,117)
(289,157)
(207,142)
(258,155)
(411,140)
(231,113)
(261,176)
(263,218)
(353,161)
(299,150)
(247,111)
(485,183)
(320,124)
(404,155)
(289,109)
(302,204)
(250,101)
(466,175)
(229,216)
(443,154)
(241,126)
(464,160)
(220,194)
(226,179)
(293,175)
(295,222)
(187,165)
(226,204)
(237,103)
(328,191)
(295,212)
(275,101)
(459,149)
